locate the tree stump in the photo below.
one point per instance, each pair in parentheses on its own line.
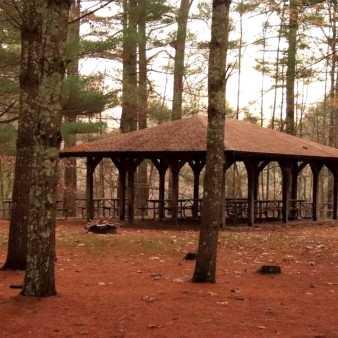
(270,269)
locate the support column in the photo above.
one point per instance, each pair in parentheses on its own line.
(122,193)
(175,165)
(162,169)
(316,168)
(286,188)
(334,170)
(127,166)
(251,166)
(223,197)
(122,187)
(92,163)
(335,196)
(175,175)
(196,166)
(229,161)
(251,197)
(296,169)
(131,195)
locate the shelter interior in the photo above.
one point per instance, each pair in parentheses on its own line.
(174,145)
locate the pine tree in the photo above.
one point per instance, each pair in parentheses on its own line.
(42,70)
(213,200)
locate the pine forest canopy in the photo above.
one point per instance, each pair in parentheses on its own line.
(264,39)
(100,52)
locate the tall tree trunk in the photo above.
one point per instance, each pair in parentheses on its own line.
(129,81)
(240,10)
(142,192)
(333,129)
(179,44)
(17,241)
(211,220)
(277,74)
(70,175)
(44,35)
(291,68)
(263,71)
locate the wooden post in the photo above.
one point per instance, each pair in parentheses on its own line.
(223,220)
(122,193)
(286,194)
(251,166)
(196,166)
(127,165)
(162,169)
(89,190)
(175,165)
(122,187)
(316,168)
(334,170)
(335,196)
(175,175)
(286,167)
(92,162)
(131,195)
(294,180)
(251,198)
(294,190)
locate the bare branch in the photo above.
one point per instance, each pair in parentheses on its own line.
(8,108)
(15,118)
(91,12)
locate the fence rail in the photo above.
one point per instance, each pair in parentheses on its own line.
(235,208)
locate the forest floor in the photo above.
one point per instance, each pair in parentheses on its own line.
(136,284)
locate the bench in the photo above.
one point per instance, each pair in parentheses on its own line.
(64,212)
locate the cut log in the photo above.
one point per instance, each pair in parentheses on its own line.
(103,226)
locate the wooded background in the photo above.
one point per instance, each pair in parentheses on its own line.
(133,64)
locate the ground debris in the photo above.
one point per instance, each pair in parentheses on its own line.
(147,299)
(16,286)
(190,256)
(270,269)
(103,226)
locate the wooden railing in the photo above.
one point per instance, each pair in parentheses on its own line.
(235,208)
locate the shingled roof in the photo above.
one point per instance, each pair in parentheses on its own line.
(190,135)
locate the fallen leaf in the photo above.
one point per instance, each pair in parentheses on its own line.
(210,293)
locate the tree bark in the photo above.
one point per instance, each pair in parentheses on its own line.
(291,68)
(142,192)
(70,174)
(129,81)
(205,269)
(44,35)
(179,45)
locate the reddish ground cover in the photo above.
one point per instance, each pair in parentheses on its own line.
(136,284)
